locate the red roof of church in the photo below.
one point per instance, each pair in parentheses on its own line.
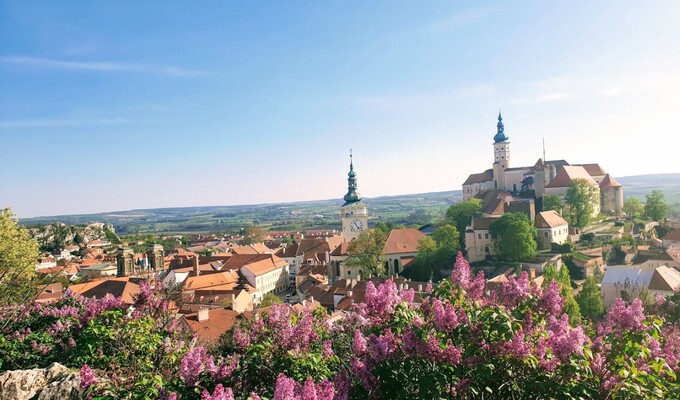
(609,181)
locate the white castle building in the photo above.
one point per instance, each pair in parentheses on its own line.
(543,178)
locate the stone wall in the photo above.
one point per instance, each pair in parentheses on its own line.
(51,383)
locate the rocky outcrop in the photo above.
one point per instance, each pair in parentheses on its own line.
(51,383)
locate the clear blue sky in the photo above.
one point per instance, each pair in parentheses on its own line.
(119,105)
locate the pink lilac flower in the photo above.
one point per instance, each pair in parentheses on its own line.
(192,364)
(309,390)
(327,348)
(285,388)
(241,339)
(87,377)
(359,344)
(220,393)
(551,301)
(445,315)
(622,317)
(381,301)
(461,271)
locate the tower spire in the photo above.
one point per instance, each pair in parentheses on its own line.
(500,133)
(352,195)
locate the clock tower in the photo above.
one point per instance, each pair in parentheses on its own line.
(353,212)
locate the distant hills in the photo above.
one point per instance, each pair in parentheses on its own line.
(404,209)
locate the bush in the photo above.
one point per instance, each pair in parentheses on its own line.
(561,248)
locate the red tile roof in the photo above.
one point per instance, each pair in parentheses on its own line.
(479,178)
(566,174)
(218,323)
(403,241)
(609,181)
(549,219)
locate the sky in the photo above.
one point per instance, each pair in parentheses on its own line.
(122,105)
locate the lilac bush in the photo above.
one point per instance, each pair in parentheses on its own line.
(461,341)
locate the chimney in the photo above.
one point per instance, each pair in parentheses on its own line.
(420,287)
(532,273)
(349,293)
(203,314)
(197,272)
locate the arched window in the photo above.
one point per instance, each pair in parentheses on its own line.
(396,266)
(337,268)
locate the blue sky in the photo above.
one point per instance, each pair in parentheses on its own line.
(120,105)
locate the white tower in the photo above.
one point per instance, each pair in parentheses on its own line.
(353,213)
(501,154)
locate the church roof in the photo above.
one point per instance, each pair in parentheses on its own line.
(593,169)
(485,176)
(352,195)
(566,174)
(609,181)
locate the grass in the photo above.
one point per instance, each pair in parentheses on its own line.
(578,256)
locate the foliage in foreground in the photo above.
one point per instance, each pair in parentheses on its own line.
(460,342)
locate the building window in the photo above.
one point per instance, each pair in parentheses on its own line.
(396,266)
(486,249)
(546,234)
(479,236)
(349,273)
(486,236)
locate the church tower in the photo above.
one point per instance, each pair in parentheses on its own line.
(501,154)
(353,213)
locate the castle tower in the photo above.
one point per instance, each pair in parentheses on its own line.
(126,261)
(353,213)
(501,154)
(611,196)
(155,257)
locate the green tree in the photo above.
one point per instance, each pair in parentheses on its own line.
(435,253)
(580,200)
(269,299)
(18,254)
(515,235)
(589,300)
(447,238)
(571,307)
(419,217)
(253,234)
(460,215)
(552,202)
(386,227)
(633,208)
(367,251)
(656,207)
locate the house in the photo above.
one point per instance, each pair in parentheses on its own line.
(663,280)
(266,273)
(98,271)
(671,240)
(311,251)
(564,178)
(478,241)
(400,249)
(552,228)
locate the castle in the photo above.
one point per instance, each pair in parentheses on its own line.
(543,178)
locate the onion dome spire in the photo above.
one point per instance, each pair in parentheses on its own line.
(500,134)
(352,195)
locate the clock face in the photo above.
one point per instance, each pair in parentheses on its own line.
(356,225)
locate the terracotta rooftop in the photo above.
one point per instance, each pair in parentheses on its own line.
(217,281)
(549,219)
(118,287)
(665,278)
(264,266)
(609,181)
(592,169)
(566,174)
(403,241)
(257,248)
(673,236)
(482,223)
(219,322)
(479,178)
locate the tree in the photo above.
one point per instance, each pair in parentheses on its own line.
(460,215)
(269,299)
(435,253)
(386,227)
(419,217)
(656,207)
(515,235)
(367,251)
(580,200)
(552,202)
(571,307)
(633,208)
(18,254)
(589,299)
(253,234)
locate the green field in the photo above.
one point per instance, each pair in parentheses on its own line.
(416,209)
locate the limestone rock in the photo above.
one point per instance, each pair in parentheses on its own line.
(54,382)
